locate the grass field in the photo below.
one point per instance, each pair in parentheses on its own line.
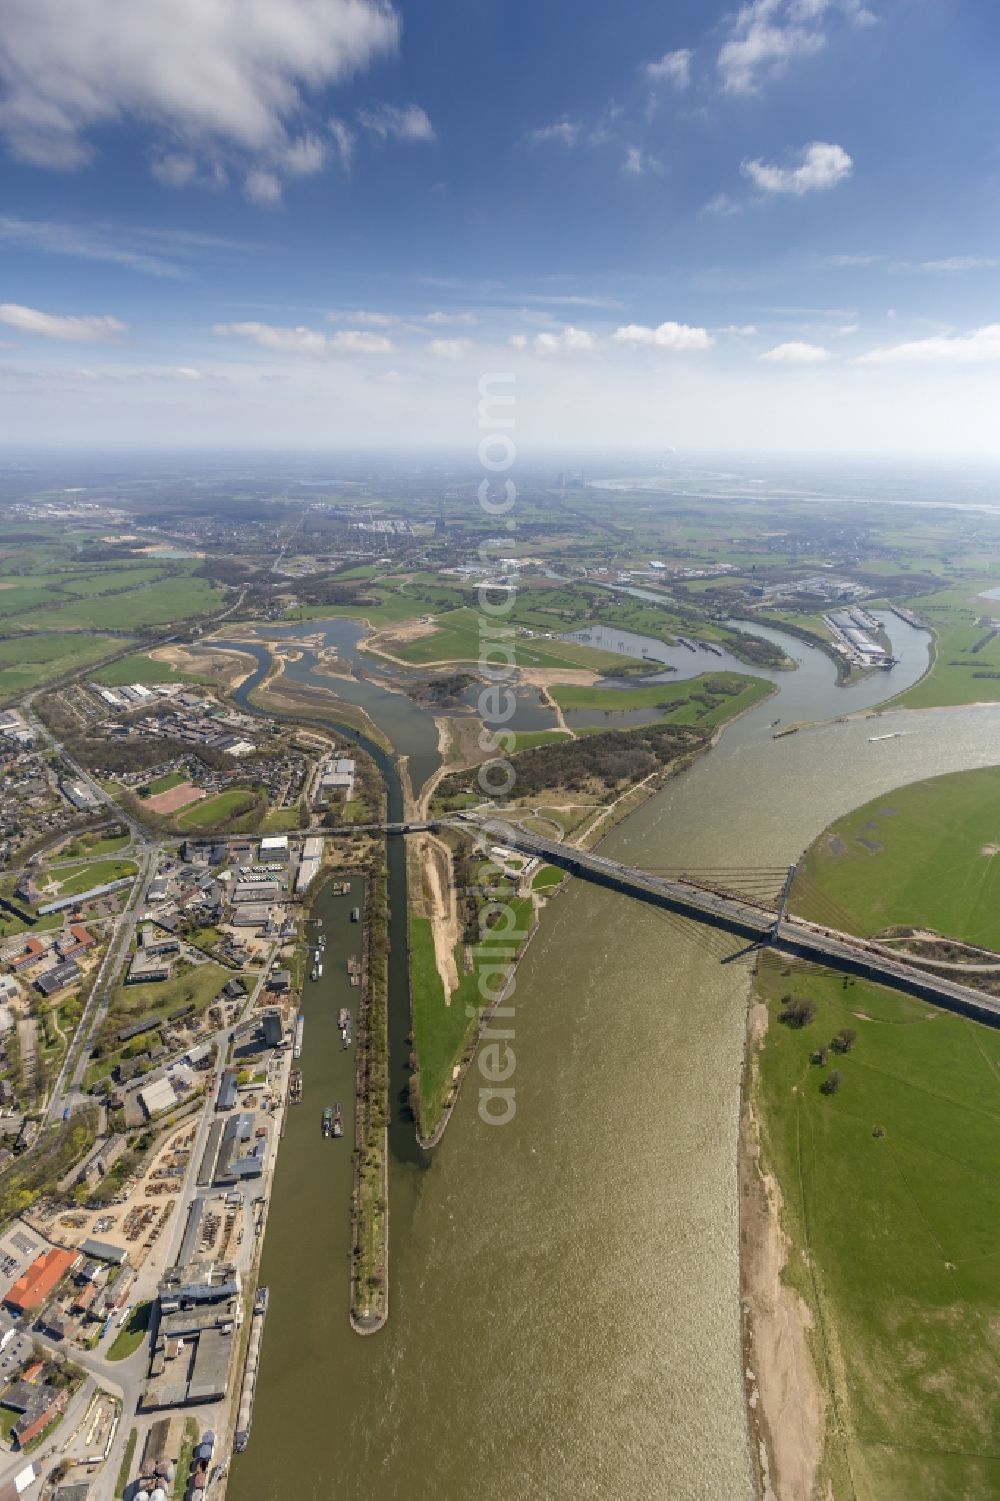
(707,701)
(27,662)
(131,1335)
(457,638)
(966,665)
(93,846)
(216,809)
(924,855)
(891,1191)
(170,599)
(197,986)
(72,879)
(441,1032)
(141,668)
(164,783)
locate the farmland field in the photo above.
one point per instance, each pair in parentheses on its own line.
(161,603)
(26,662)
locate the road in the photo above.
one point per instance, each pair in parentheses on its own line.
(790,935)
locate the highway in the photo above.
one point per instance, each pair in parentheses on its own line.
(791,935)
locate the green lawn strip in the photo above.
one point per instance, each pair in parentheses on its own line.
(547,878)
(184,1460)
(892,1203)
(126,1465)
(920,856)
(72,880)
(442,1032)
(132,1333)
(528,739)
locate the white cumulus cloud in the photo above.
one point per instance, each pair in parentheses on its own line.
(766,36)
(262,187)
(672,67)
(215,81)
(797,353)
(449,349)
(269,336)
(359,341)
(77,330)
(980,346)
(389,123)
(568,340)
(303,340)
(822,165)
(961,263)
(563,132)
(679,337)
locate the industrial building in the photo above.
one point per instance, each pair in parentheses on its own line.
(196,1335)
(38,1282)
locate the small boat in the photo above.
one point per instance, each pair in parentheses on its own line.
(315,973)
(355,914)
(338,1120)
(329,1127)
(896,735)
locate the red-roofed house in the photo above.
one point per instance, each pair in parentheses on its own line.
(33,950)
(36,1285)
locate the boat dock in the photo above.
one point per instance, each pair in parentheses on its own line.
(300,1027)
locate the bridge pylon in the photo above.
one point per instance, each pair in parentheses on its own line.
(786,892)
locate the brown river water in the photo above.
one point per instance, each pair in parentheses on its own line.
(564,1312)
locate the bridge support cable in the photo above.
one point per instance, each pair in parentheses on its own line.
(712,941)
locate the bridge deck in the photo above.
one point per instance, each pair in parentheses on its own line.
(790,935)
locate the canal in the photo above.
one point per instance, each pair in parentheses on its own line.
(564,1291)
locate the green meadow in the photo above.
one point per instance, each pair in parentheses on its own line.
(925,855)
(458,638)
(707,700)
(966,658)
(27,662)
(891,1201)
(441,1032)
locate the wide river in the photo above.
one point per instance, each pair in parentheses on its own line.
(565,1318)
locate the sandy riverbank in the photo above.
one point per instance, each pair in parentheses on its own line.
(784,1400)
(226,664)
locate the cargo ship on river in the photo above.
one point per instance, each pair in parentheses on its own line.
(300,1027)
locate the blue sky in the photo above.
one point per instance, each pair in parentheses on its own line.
(317,222)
